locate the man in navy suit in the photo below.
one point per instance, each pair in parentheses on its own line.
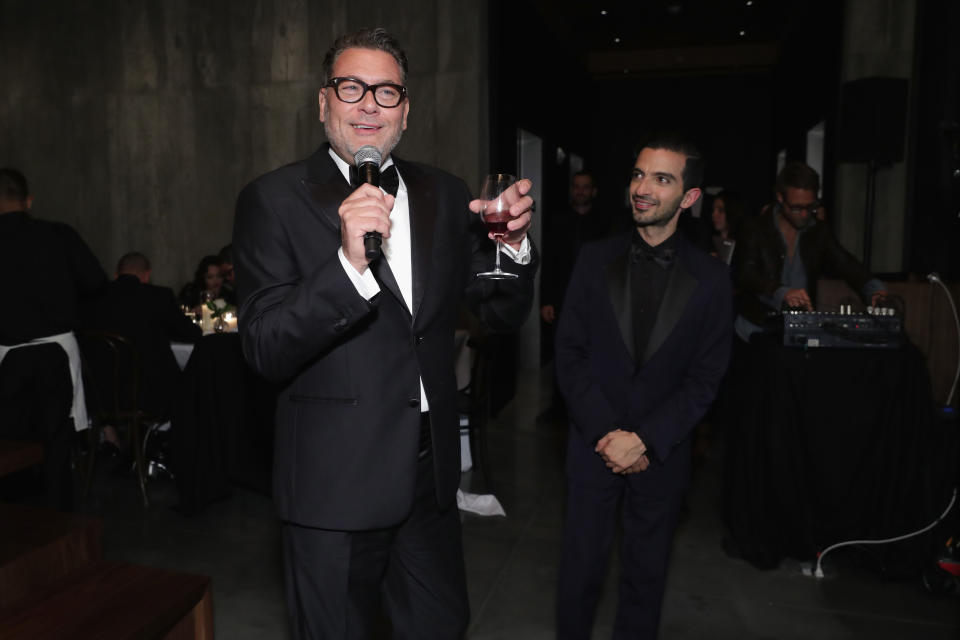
(641,347)
(366,458)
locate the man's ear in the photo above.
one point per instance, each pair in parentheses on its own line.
(691,196)
(27,203)
(322,103)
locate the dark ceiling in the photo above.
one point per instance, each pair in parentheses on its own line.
(677,37)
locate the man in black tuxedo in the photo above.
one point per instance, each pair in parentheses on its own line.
(642,344)
(150,318)
(366,463)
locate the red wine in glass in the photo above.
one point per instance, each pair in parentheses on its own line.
(497,194)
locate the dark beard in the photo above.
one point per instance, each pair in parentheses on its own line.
(662,218)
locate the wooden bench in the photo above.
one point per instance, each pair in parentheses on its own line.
(16,455)
(39,547)
(115,601)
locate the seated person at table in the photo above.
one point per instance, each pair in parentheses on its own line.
(229,290)
(207,282)
(150,318)
(783,252)
(726,212)
(45,269)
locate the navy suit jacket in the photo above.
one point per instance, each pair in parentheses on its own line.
(348,414)
(660,394)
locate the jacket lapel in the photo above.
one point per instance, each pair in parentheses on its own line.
(617,275)
(326,185)
(680,288)
(328,189)
(422,199)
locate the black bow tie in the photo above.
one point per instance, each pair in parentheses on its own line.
(389,179)
(663,256)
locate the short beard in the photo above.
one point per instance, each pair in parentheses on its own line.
(662,219)
(336,142)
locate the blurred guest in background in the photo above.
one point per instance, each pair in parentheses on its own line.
(45,268)
(150,318)
(783,253)
(565,232)
(725,216)
(228,291)
(207,283)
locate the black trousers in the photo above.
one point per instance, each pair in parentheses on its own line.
(649,510)
(36,393)
(360,584)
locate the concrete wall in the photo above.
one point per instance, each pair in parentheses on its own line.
(138,121)
(878,41)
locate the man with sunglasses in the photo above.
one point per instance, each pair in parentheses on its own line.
(366,460)
(783,253)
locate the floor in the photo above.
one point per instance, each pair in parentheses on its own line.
(512,561)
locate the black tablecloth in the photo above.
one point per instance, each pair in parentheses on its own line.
(222,428)
(832,445)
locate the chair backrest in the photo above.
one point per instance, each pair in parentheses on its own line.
(111,367)
(480,383)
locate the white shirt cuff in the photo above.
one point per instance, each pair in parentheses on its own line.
(365,283)
(521,256)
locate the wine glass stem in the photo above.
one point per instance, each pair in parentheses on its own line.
(497,258)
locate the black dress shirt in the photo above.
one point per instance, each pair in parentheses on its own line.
(650,269)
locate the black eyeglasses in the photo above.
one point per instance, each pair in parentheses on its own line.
(797,209)
(386,94)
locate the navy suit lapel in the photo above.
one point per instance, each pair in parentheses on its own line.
(617,275)
(680,288)
(423,213)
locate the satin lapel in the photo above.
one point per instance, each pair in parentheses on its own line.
(617,274)
(422,198)
(326,185)
(680,288)
(328,188)
(383,273)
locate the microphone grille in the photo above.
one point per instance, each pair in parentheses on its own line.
(367,153)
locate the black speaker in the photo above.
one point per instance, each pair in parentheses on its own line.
(873,118)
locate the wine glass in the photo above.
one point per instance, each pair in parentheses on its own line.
(496,196)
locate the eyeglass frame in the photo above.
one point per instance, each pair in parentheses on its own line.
(797,209)
(334,83)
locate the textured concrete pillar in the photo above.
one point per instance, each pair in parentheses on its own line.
(138,121)
(878,41)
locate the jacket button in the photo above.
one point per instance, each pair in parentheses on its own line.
(419,340)
(414,402)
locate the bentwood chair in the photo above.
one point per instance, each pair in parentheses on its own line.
(111,379)
(475,405)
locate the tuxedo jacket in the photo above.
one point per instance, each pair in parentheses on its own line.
(661,393)
(150,318)
(348,415)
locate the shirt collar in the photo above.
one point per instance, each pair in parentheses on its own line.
(345,168)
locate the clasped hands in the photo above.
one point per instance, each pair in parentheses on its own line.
(623,452)
(368,209)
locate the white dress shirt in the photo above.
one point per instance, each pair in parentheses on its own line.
(397,251)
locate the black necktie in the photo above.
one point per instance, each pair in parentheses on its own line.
(664,256)
(389,179)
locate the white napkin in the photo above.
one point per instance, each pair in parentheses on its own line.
(482,504)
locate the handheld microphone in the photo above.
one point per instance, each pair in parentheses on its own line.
(368,159)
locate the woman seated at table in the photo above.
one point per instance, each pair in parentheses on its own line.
(726,213)
(207,284)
